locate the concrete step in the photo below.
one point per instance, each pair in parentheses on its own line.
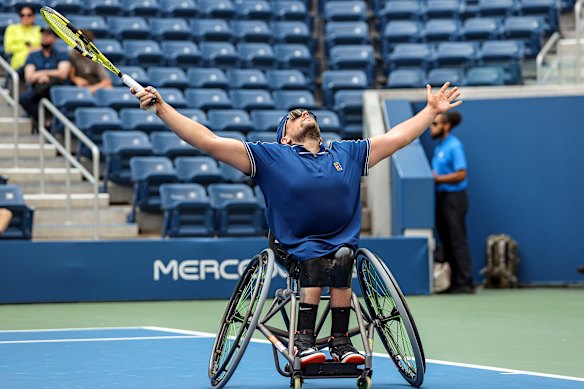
(32,162)
(83,231)
(78,200)
(23,138)
(26,175)
(7,125)
(107,215)
(8,111)
(27,150)
(82,187)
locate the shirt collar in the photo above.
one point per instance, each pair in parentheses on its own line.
(302,150)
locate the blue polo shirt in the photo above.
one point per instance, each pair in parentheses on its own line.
(46,63)
(449,158)
(313,201)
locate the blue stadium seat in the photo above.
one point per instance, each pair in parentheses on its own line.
(220,54)
(328,121)
(230,120)
(135,119)
(198,170)
(290,99)
(507,54)
(217,8)
(111,48)
(210,98)
(187,211)
(124,27)
(253,9)
(546,9)
(17,4)
(456,54)
(485,76)
(247,79)
(174,97)
(334,80)
(136,72)
(148,173)
(168,144)
(67,98)
(103,7)
(354,57)
(207,78)
(68,7)
(291,10)
(94,23)
(295,56)
(141,7)
(401,10)
(119,147)
(406,78)
(250,99)
(497,8)
(528,29)
(400,31)
(410,55)
(237,211)
(286,79)
(21,224)
(480,29)
(143,52)
(441,30)
(94,122)
(437,76)
(257,55)
(6,19)
(179,8)
(349,106)
(116,98)
(292,32)
(251,31)
(346,33)
(195,114)
(169,77)
(183,54)
(267,120)
(328,137)
(232,175)
(211,30)
(345,11)
(232,135)
(170,29)
(447,9)
(261,136)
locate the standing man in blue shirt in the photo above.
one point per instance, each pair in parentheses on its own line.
(312,196)
(449,169)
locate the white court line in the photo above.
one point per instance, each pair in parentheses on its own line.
(435,361)
(72,329)
(97,339)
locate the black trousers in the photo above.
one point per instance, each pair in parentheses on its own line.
(451,209)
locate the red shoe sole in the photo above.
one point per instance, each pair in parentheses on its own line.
(356,359)
(312,359)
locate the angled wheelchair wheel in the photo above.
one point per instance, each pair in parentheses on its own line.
(240,318)
(393,321)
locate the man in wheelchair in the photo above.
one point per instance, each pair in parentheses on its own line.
(313,207)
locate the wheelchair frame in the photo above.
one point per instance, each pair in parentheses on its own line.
(222,367)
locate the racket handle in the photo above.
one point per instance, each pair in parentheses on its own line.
(130,82)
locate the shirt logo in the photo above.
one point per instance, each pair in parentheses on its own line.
(338,166)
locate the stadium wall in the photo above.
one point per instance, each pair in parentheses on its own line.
(165,269)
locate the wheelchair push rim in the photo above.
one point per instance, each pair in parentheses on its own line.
(240,318)
(393,321)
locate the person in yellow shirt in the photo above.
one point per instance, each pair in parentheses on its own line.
(22,38)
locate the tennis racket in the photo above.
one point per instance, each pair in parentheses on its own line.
(77,40)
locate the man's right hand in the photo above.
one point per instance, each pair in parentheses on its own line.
(146,97)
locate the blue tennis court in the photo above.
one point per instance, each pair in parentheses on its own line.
(153,357)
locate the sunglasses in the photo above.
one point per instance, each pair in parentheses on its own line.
(436,123)
(296,113)
(26,15)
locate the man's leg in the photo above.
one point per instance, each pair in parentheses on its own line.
(340,345)
(305,326)
(456,208)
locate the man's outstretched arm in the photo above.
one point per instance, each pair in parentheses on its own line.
(382,146)
(227,150)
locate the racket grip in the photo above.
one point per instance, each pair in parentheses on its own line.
(130,82)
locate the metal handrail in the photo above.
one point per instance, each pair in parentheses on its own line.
(551,43)
(66,152)
(577,12)
(13,101)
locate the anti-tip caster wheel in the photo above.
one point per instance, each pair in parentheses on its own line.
(296,382)
(364,383)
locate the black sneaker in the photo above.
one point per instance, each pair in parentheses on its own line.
(305,350)
(342,350)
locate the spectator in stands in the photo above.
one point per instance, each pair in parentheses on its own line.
(315,222)
(43,69)
(22,38)
(449,169)
(86,73)
(5,218)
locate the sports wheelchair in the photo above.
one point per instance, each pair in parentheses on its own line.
(386,312)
